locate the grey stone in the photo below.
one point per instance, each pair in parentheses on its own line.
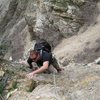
(97,61)
(50,20)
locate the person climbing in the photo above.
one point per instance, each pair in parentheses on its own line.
(42,56)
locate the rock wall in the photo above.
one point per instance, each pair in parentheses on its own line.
(76,82)
(81,48)
(22,21)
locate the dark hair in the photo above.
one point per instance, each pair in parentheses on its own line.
(34,52)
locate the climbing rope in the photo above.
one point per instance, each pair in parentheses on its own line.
(55,86)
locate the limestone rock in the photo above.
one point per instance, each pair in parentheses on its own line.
(77,82)
(97,61)
(27,85)
(11,85)
(52,20)
(30,85)
(2,73)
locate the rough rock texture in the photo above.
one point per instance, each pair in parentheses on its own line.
(12,25)
(82,48)
(76,82)
(21,21)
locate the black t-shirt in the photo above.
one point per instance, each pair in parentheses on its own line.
(44,56)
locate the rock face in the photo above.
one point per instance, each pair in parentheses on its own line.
(76,82)
(82,48)
(22,21)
